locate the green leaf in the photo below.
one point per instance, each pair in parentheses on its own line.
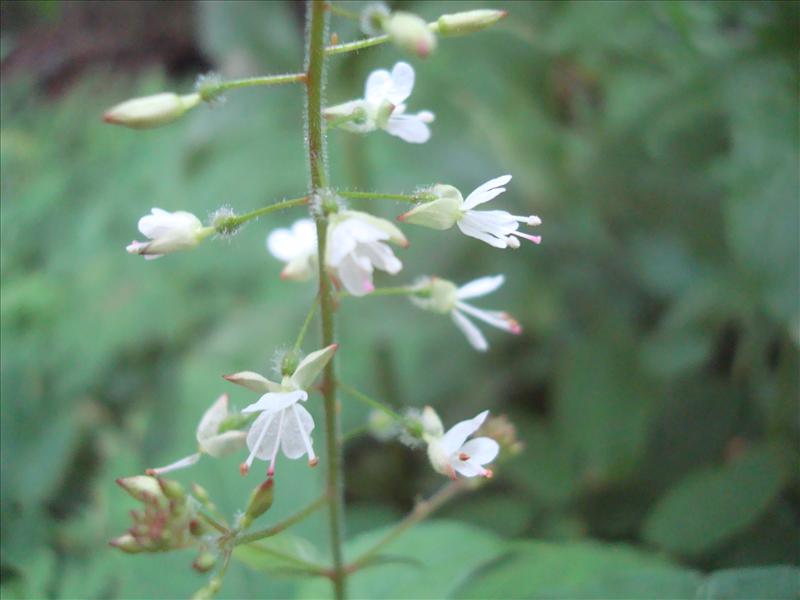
(438,555)
(581,569)
(711,505)
(766,583)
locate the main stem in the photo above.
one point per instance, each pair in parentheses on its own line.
(334,487)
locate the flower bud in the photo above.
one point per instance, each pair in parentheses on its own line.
(382,426)
(469,21)
(205,562)
(289,363)
(440,296)
(259,503)
(141,487)
(441,213)
(411,33)
(209,590)
(151,111)
(127,543)
(172,489)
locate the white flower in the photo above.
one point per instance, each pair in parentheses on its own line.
(495,227)
(357,245)
(168,232)
(283,422)
(383,107)
(444,297)
(448,452)
(297,247)
(209,438)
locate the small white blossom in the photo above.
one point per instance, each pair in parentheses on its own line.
(450,453)
(497,228)
(283,423)
(297,247)
(209,438)
(445,298)
(357,246)
(168,232)
(383,107)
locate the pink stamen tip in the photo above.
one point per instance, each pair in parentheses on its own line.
(271,471)
(463,456)
(244,469)
(488,473)
(536,239)
(150,472)
(313,462)
(402,217)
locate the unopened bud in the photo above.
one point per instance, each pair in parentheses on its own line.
(259,503)
(172,489)
(151,111)
(205,562)
(127,543)
(209,590)
(199,492)
(469,21)
(141,487)
(411,33)
(197,528)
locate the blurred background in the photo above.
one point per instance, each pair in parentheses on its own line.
(655,386)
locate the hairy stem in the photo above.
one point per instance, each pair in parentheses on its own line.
(214,90)
(234,222)
(334,486)
(383,196)
(367,42)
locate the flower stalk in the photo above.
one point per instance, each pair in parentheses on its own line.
(334,486)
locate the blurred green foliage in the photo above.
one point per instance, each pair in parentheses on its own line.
(656,384)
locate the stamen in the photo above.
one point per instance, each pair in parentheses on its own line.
(271,470)
(463,456)
(536,239)
(488,473)
(183,463)
(312,459)
(244,468)
(512,242)
(513,324)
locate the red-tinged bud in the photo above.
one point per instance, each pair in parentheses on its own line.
(260,502)
(197,528)
(411,33)
(205,562)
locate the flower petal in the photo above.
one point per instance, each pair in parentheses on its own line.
(477,195)
(467,468)
(356,275)
(311,366)
(272,402)
(402,83)
(409,128)
(481,451)
(378,87)
(474,335)
(480,287)
(296,434)
(495,318)
(457,435)
(262,439)
(467,227)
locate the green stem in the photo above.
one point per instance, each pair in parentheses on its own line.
(334,486)
(383,196)
(286,523)
(372,402)
(306,323)
(367,42)
(233,84)
(403,290)
(232,223)
(421,511)
(213,522)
